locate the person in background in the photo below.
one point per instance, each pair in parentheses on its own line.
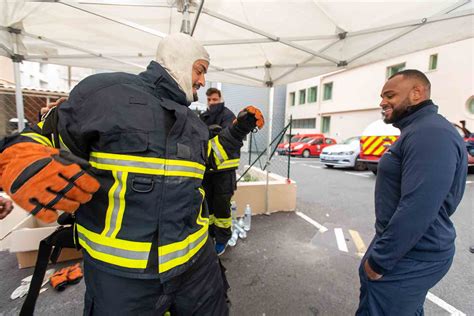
(219,183)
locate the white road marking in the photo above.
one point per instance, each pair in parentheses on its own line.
(341,242)
(310,166)
(451,309)
(358,174)
(320,227)
(359,243)
(469,182)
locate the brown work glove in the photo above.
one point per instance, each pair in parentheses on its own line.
(247,120)
(42,179)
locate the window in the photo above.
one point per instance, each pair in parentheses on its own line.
(292,98)
(312,94)
(433,62)
(302,96)
(304,123)
(325,126)
(327,91)
(391,70)
(329,141)
(470,105)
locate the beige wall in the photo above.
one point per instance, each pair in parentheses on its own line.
(6,70)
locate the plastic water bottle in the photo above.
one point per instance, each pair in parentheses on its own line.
(233,240)
(240,230)
(233,211)
(247,217)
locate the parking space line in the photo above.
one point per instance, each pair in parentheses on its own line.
(359,243)
(341,242)
(320,227)
(451,309)
(469,182)
(358,174)
(315,167)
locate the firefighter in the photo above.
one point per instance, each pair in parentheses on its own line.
(132,176)
(219,183)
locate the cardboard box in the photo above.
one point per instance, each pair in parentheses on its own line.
(27,259)
(8,224)
(25,238)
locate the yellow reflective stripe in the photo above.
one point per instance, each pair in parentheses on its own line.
(168,265)
(116,207)
(219,153)
(232,163)
(147,165)
(124,253)
(111,205)
(121,209)
(113,242)
(222,222)
(212,219)
(62,144)
(173,255)
(38,138)
(40,124)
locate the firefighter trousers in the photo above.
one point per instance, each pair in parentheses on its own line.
(219,188)
(198,291)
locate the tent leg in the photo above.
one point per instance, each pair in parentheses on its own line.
(269,148)
(18,93)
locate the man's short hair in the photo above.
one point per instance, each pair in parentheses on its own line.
(414,74)
(211,91)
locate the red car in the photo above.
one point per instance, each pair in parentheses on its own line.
(282,149)
(311,146)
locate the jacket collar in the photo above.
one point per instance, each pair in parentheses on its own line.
(163,85)
(415,111)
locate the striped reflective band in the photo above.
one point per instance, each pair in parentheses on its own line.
(220,222)
(115,210)
(228,164)
(176,254)
(38,138)
(147,165)
(119,252)
(219,152)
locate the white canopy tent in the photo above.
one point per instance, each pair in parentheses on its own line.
(251,42)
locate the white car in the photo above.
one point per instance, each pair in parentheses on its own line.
(344,155)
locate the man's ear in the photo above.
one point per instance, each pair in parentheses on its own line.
(417,93)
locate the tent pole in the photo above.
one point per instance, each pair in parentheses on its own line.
(269,148)
(17,58)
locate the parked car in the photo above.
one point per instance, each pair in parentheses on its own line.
(469,140)
(344,155)
(282,149)
(311,146)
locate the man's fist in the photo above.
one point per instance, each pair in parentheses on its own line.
(247,120)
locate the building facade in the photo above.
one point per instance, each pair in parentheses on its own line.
(342,104)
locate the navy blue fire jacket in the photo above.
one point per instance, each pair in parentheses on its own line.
(420,183)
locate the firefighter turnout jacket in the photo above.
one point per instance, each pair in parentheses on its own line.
(149,152)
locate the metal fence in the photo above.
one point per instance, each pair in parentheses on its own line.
(33,101)
(259,158)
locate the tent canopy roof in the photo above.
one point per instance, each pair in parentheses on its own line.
(251,42)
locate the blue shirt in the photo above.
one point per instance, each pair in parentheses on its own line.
(420,183)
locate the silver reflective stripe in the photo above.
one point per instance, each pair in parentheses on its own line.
(117,202)
(146,165)
(129,254)
(216,150)
(180,253)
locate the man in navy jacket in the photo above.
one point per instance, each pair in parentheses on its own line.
(420,183)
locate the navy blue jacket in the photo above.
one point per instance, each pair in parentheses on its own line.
(420,183)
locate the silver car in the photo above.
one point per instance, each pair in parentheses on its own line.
(344,155)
